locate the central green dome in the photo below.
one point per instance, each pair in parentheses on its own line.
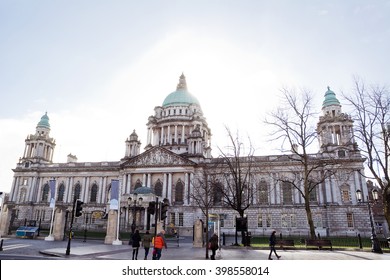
(181,96)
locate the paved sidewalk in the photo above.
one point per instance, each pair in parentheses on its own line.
(187,252)
(97,250)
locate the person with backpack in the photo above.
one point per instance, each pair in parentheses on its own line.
(146,241)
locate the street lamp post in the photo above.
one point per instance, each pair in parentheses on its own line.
(376,248)
(1,214)
(134,207)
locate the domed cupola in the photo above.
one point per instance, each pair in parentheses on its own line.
(173,122)
(331,105)
(132,145)
(181,96)
(44,122)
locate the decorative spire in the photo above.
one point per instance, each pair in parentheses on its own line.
(182,83)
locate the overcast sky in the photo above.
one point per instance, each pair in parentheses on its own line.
(100,67)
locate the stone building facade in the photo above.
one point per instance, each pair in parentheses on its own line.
(176,153)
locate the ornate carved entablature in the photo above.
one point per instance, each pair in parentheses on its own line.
(342,117)
(158,156)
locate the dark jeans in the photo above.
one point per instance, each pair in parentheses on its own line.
(146,252)
(135,252)
(158,254)
(272,250)
(213,251)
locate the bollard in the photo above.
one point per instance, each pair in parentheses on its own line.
(1,244)
(223,239)
(360,241)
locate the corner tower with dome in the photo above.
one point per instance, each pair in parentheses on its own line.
(335,129)
(39,146)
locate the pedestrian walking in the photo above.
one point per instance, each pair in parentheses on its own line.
(146,241)
(272,243)
(135,242)
(159,244)
(213,245)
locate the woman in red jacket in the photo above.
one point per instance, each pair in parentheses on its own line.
(159,243)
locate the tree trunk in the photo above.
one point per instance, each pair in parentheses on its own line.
(386,205)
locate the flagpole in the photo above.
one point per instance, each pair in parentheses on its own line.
(52,205)
(117,241)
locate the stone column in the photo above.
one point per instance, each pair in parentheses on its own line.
(164,192)
(112,222)
(328,191)
(149,180)
(169,196)
(186,189)
(59,223)
(198,234)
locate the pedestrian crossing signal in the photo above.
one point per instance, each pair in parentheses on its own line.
(164,210)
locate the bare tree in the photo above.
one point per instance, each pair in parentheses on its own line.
(202,195)
(293,124)
(371,107)
(236,173)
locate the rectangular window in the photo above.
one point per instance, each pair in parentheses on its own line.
(181,219)
(268,221)
(345,195)
(293,219)
(289,220)
(260,220)
(284,219)
(287,192)
(313,194)
(317,220)
(172,218)
(350,220)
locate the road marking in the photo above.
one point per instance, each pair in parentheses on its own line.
(14,246)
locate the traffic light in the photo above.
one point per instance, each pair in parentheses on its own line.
(164,210)
(79,208)
(152,208)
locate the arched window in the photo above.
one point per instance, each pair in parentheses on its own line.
(217,193)
(138,184)
(77,191)
(61,192)
(94,191)
(22,195)
(263,192)
(45,192)
(313,192)
(158,188)
(179,192)
(287,192)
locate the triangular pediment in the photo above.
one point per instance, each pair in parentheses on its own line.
(158,156)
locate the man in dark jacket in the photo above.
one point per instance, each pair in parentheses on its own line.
(213,245)
(272,243)
(135,242)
